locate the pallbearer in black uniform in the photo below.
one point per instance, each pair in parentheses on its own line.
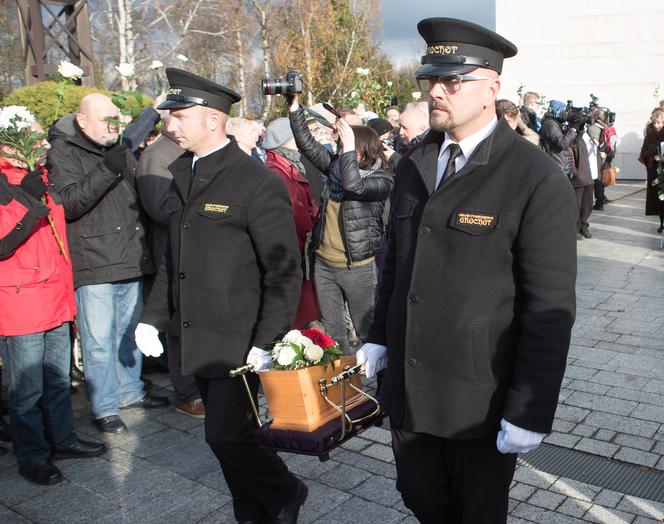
(477,304)
(235,268)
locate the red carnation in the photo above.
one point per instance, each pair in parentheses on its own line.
(319,338)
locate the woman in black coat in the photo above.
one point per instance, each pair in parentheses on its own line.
(650,157)
(349,232)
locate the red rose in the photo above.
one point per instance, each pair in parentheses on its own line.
(319,338)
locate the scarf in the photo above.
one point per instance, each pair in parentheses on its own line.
(294,157)
(333,179)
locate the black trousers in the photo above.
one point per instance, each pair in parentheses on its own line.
(184,385)
(584,205)
(598,189)
(446,481)
(259,481)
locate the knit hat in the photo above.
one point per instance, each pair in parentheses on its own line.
(380,125)
(277,133)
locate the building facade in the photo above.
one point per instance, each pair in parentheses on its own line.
(571,48)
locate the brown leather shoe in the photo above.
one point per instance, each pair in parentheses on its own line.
(195,408)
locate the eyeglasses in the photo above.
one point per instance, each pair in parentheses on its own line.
(450,83)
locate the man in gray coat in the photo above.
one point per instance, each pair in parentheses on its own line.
(475,311)
(153,180)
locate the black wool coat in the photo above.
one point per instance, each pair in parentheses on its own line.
(477,301)
(106,225)
(234,260)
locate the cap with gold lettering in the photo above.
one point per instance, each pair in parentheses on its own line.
(457,47)
(188,89)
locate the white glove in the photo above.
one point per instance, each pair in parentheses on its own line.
(374,358)
(260,358)
(147,340)
(513,439)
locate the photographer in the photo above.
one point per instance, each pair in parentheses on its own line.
(561,137)
(358,179)
(602,131)
(557,139)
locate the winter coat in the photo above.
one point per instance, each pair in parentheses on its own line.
(305,213)
(558,144)
(234,259)
(363,203)
(529,118)
(649,149)
(36,285)
(477,301)
(105,227)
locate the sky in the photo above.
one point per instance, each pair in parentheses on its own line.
(402,42)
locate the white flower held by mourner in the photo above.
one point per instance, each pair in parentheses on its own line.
(181,58)
(155,64)
(18,117)
(389,83)
(362,71)
(416,95)
(284,354)
(313,353)
(125,69)
(69,70)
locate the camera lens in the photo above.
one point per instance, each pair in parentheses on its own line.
(271,86)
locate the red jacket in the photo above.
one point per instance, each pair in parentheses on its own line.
(305,212)
(36,282)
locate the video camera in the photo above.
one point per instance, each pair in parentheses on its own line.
(574,114)
(569,113)
(291,84)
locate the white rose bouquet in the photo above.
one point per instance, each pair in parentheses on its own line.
(304,348)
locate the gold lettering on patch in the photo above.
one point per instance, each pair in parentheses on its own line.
(442,49)
(215,208)
(475,220)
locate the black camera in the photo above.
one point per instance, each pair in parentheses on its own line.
(575,114)
(609,116)
(291,84)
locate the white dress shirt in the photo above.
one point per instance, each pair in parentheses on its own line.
(592,155)
(467,145)
(195,158)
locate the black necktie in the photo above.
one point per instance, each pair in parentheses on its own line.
(193,175)
(455,152)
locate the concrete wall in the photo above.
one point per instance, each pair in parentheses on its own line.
(571,48)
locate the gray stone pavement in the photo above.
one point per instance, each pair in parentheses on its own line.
(611,404)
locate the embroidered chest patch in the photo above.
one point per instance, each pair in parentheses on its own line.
(215,208)
(475,219)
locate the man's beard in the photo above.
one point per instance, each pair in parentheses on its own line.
(441,122)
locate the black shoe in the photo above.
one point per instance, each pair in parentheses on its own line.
(148,402)
(579,236)
(659,230)
(587,233)
(5,431)
(288,515)
(110,424)
(79,449)
(43,472)
(598,207)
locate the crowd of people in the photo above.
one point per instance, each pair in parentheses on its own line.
(211,235)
